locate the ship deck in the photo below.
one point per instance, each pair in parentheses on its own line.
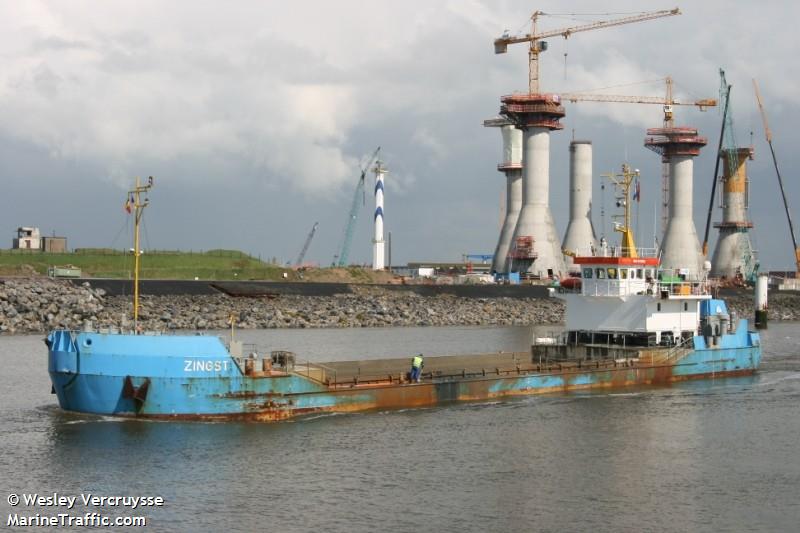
(394,370)
(434,365)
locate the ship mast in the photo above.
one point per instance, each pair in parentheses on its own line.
(137,205)
(623,181)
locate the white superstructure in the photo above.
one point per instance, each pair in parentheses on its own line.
(625,295)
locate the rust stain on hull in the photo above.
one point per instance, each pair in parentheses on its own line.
(426,394)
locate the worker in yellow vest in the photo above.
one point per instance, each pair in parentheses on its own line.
(416,367)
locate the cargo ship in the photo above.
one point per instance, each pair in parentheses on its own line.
(628,323)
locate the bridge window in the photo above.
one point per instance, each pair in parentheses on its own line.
(640,273)
(623,273)
(601,273)
(612,273)
(587,273)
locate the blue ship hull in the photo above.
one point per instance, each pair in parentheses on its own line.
(195,377)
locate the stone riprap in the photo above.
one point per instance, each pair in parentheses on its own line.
(38,305)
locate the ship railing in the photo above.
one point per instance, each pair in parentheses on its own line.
(317,372)
(521,365)
(681,348)
(615,251)
(684,288)
(399,378)
(551,338)
(252,348)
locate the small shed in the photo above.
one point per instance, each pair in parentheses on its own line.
(56,245)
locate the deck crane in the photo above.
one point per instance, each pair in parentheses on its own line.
(537,45)
(341,258)
(302,254)
(768,135)
(668,102)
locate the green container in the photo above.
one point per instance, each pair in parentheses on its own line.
(64,272)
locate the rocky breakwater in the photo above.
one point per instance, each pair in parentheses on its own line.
(38,305)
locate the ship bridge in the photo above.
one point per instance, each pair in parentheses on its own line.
(622,275)
(617,276)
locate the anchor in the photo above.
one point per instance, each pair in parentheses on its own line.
(138,394)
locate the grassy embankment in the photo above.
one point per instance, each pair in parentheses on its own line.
(107,263)
(210,265)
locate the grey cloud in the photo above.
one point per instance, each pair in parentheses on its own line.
(60,44)
(253,118)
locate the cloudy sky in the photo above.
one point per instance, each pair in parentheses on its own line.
(253,116)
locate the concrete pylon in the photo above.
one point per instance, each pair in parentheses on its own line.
(579,238)
(680,248)
(511,166)
(733,255)
(535,245)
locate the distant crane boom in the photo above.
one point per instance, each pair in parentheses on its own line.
(302,254)
(614,98)
(537,45)
(768,135)
(352,215)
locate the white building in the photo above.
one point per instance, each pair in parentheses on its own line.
(27,239)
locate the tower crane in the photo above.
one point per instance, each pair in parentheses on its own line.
(302,254)
(341,258)
(537,45)
(668,102)
(768,135)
